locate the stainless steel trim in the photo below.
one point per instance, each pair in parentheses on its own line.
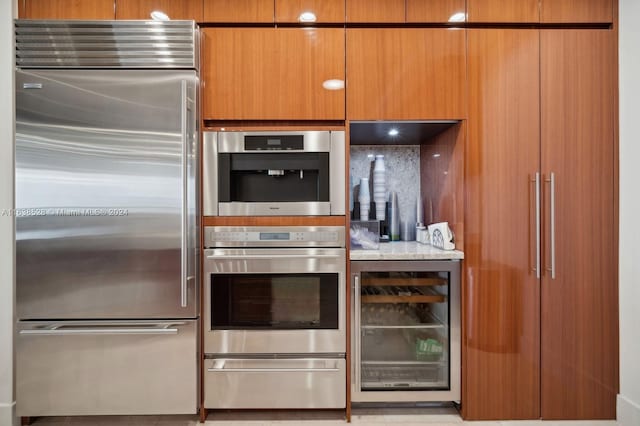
(306,208)
(106,44)
(357,333)
(537,180)
(184,213)
(337,172)
(552,225)
(210,174)
(248,236)
(314,141)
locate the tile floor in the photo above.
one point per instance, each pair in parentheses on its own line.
(431,416)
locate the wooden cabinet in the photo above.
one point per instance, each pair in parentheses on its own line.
(579,305)
(273,73)
(436,11)
(66,9)
(323,10)
(375,11)
(578,11)
(141,9)
(541,102)
(503,10)
(245,11)
(502,292)
(404,74)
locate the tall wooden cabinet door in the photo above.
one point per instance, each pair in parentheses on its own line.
(141,9)
(579,305)
(436,11)
(577,11)
(502,292)
(503,10)
(245,11)
(405,74)
(375,10)
(322,10)
(67,9)
(273,73)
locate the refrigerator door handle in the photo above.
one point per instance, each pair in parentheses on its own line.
(357,332)
(110,329)
(184,266)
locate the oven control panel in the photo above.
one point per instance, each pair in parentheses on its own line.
(295,236)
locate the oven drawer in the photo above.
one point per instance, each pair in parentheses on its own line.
(275,383)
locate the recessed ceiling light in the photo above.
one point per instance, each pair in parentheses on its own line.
(307,17)
(436,155)
(333,84)
(458,17)
(393,132)
(158,15)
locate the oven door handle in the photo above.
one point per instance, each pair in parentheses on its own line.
(275,256)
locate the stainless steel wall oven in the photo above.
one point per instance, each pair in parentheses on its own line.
(274,173)
(274,317)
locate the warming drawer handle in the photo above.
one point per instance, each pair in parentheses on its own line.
(275,256)
(272,370)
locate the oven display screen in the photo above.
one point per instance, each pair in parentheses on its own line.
(272,142)
(274,236)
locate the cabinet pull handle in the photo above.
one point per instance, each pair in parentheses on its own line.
(552,224)
(537,207)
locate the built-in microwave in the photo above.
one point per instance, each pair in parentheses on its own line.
(273,173)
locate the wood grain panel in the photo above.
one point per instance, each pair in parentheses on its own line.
(238,10)
(501,344)
(579,306)
(503,10)
(68,9)
(375,10)
(273,221)
(273,73)
(141,9)
(325,10)
(434,10)
(442,180)
(578,11)
(404,74)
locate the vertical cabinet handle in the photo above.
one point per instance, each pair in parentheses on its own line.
(552,223)
(184,208)
(537,231)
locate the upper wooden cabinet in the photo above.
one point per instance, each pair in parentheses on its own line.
(578,11)
(376,11)
(245,11)
(503,10)
(405,74)
(546,11)
(323,10)
(435,11)
(141,9)
(273,73)
(66,9)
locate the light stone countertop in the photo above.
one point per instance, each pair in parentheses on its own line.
(405,250)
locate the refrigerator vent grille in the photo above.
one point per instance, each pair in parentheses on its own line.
(106,44)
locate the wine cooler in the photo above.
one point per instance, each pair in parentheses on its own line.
(406,331)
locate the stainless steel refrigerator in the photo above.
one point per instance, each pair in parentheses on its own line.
(107,239)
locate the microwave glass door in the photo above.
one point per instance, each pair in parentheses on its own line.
(274,301)
(274,177)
